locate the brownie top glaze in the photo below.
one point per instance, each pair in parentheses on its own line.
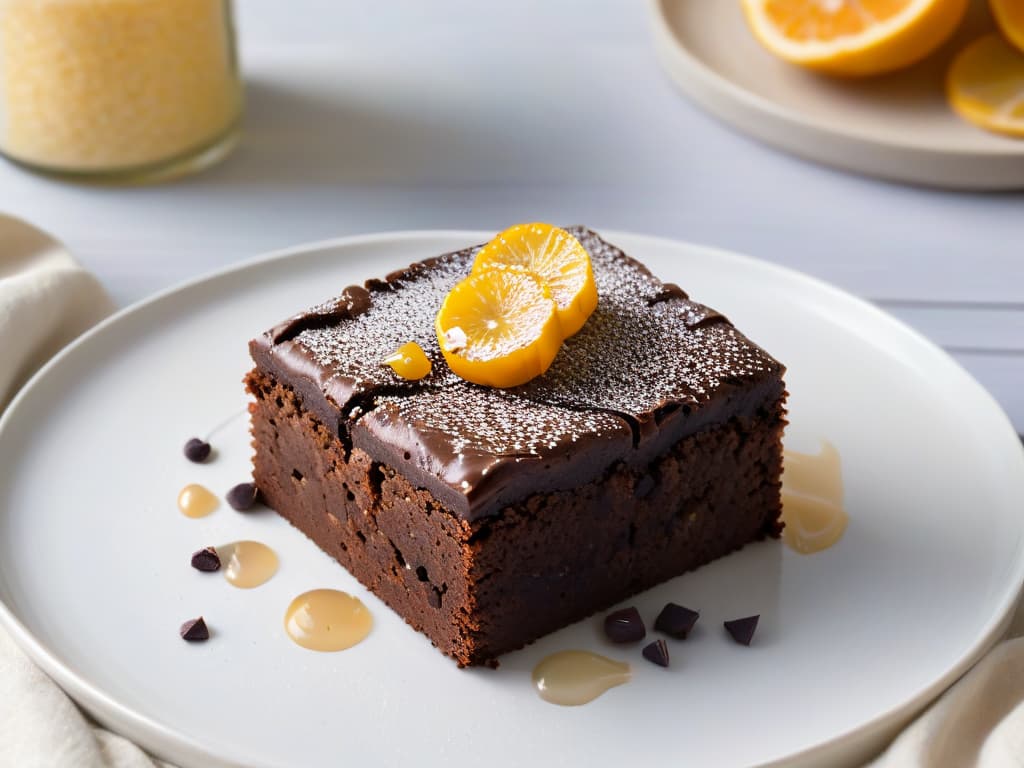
(649,368)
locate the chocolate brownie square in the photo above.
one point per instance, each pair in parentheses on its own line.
(490,517)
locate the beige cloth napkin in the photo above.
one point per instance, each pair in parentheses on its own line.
(978,723)
(47,300)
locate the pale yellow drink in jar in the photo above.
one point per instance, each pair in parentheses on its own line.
(100,86)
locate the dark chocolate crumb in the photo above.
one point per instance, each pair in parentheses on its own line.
(206,560)
(243,496)
(676,621)
(195,630)
(624,626)
(742,630)
(657,652)
(197,450)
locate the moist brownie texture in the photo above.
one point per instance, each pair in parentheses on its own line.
(487,518)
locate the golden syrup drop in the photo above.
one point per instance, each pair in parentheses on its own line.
(409,361)
(196,501)
(571,678)
(327,620)
(811,524)
(812,500)
(249,563)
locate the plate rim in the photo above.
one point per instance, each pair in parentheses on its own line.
(169,743)
(835,146)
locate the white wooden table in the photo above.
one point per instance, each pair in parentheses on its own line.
(459,114)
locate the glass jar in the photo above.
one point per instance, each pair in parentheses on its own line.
(117,90)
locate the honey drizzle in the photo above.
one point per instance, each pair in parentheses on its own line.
(327,620)
(249,563)
(572,678)
(812,500)
(196,501)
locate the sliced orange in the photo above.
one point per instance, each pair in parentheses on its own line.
(853,37)
(499,327)
(985,85)
(554,256)
(1010,17)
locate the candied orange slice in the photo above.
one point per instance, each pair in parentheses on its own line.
(409,361)
(985,85)
(499,327)
(554,256)
(1010,17)
(853,37)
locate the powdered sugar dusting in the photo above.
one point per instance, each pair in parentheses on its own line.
(642,349)
(355,348)
(633,358)
(618,278)
(481,421)
(637,352)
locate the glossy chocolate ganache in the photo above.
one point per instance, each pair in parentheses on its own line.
(649,368)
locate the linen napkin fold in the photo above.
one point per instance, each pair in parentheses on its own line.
(46,300)
(978,723)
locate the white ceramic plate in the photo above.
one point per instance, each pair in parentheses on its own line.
(94,572)
(898,126)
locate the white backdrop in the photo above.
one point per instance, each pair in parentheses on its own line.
(400,114)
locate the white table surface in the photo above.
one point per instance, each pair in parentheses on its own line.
(401,114)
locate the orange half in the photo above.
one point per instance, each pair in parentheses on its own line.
(853,37)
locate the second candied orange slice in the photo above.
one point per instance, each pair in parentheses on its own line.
(556,258)
(499,327)
(985,85)
(1010,17)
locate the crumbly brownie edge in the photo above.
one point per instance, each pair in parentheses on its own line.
(560,557)
(481,589)
(663,365)
(406,549)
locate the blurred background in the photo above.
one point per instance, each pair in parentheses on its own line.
(345,117)
(363,117)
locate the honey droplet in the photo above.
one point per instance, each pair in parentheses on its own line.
(812,500)
(409,361)
(811,524)
(196,501)
(571,678)
(249,563)
(327,620)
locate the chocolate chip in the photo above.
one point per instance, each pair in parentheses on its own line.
(742,630)
(624,626)
(206,560)
(243,496)
(657,652)
(195,630)
(197,450)
(676,621)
